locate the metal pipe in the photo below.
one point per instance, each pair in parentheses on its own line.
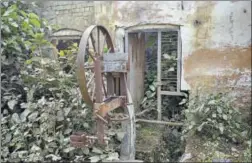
(160,122)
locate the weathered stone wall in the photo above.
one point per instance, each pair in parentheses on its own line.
(216,40)
(69,14)
(216,36)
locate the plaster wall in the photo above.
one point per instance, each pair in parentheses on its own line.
(216,40)
(216,36)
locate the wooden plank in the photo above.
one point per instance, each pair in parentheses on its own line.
(159,77)
(115,57)
(114,66)
(110,85)
(172,93)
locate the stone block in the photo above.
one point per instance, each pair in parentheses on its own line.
(77,14)
(59,8)
(91,8)
(86,9)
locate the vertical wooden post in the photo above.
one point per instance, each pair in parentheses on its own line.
(159,77)
(98,99)
(179,62)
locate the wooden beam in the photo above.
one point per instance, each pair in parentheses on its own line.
(160,122)
(159,77)
(172,93)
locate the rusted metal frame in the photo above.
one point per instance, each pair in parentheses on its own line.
(80,59)
(98,99)
(159,109)
(80,63)
(103,108)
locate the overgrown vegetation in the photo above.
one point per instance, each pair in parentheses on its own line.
(213,119)
(41,103)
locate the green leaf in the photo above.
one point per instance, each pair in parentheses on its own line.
(207,109)
(33,116)
(214,115)
(35,22)
(14,24)
(212,102)
(120,136)
(171,69)
(29,61)
(96,150)
(25,25)
(8,138)
(60,116)
(12,103)
(145,98)
(53,157)
(33,16)
(11,9)
(67,131)
(61,53)
(112,156)
(152,87)
(23,13)
(219,110)
(23,115)
(69,149)
(224,116)
(201,126)
(67,111)
(94,158)
(6,28)
(15,118)
(221,128)
(35,148)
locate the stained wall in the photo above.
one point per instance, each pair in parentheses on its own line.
(216,37)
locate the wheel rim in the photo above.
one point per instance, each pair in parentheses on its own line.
(89,49)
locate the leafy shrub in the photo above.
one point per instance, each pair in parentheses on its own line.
(20,25)
(42,131)
(213,116)
(53,108)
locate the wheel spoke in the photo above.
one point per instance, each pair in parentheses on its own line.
(104,41)
(92,78)
(89,66)
(93,93)
(93,41)
(104,89)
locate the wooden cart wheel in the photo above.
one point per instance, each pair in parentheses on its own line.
(93,42)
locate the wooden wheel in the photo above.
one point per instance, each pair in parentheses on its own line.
(93,43)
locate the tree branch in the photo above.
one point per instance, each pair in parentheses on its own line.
(144,111)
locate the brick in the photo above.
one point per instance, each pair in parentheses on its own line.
(59,8)
(91,8)
(86,9)
(77,14)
